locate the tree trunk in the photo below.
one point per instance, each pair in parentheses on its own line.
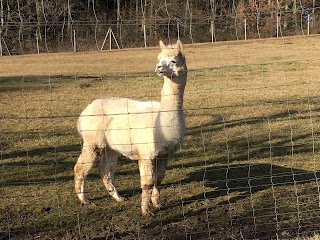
(313,13)
(69,19)
(213,11)
(1,14)
(2,22)
(118,17)
(295,11)
(152,21)
(137,16)
(39,18)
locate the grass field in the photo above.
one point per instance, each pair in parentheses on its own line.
(248,168)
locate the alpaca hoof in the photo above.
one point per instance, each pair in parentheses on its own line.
(88,204)
(85,201)
(120,199)
(157,206)
(147,213)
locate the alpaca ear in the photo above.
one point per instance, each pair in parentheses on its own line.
(179,46)
(162,45)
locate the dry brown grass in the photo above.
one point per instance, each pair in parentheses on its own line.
(200,56)
(249,164)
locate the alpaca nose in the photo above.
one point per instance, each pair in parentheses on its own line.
(158,66)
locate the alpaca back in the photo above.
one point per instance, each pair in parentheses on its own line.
(122,124)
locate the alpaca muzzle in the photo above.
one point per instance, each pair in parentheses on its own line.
(159,70)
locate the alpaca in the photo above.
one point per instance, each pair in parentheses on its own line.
(148,131)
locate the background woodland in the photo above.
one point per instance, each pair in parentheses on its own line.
(28,26)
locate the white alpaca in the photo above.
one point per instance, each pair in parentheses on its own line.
(147,131)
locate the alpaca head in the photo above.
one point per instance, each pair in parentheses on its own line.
(172,61)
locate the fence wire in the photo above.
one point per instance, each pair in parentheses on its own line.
(43,37)
(248,167)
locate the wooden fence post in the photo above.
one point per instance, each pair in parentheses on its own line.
(144,35)
(245,29)
(212,29)
(308,29)
(178,31)
(74,41)
(0,43)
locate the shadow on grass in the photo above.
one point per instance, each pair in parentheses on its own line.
(249,200)
(239,195)
(38,165)
(37,152)
(266,143)
(240,200)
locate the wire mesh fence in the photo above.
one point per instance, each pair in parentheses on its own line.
(43,37)
(248,168)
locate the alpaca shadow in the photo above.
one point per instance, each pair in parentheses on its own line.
(235,183)
(47,167)
(246,178)
(40,152)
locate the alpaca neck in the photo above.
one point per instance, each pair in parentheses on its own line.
(171,118)
(171,97)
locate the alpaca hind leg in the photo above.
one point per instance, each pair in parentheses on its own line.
(161,164)
(108,166)
(81,170)
(147,181)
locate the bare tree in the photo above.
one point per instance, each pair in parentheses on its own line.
(118,16)
(2,22)
(213,12)
(69,18)
(20,26)
(313,12)
(39,18)
(1,13)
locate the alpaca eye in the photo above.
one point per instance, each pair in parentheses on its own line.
(173,61)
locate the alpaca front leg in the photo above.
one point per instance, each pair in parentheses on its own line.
(147,180)
(155,197)
(108,166)
(161,164)
(81,170)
